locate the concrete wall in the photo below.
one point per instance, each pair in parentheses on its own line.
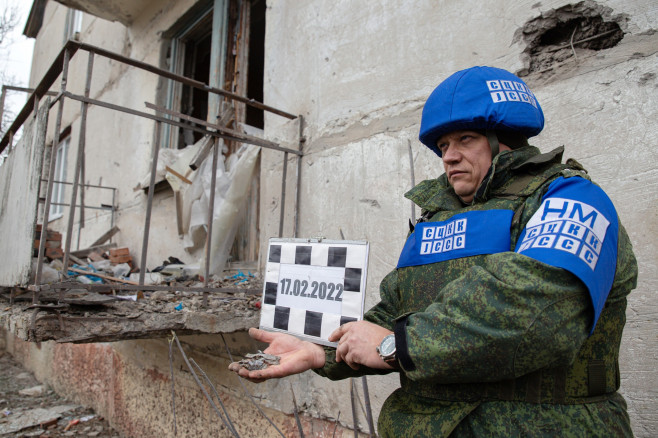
(19,179)
(129,383)
(359,74)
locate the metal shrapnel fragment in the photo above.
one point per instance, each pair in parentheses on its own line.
(259,361)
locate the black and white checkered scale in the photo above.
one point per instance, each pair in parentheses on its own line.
(309,324)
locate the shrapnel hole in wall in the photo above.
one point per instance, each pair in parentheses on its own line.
(561,35)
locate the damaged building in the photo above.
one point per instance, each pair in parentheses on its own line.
(163,143)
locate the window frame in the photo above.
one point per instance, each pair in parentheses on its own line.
(59,189)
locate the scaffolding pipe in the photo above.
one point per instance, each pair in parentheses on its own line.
(241,138)
(51,177)
(149,204)
(182,79)
(78,168)
(2,102)
(60,68)
(89,186)
(283,193)
(211,212)
(302,140)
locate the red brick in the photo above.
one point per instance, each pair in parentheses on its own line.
(54,253)
(119,252)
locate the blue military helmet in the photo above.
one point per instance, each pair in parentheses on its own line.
(480,98)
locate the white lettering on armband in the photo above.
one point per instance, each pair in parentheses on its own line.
(443,238)
(567,225)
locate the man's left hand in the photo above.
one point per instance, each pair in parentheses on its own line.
(358,342)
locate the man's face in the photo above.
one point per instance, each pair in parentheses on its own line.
(466,159)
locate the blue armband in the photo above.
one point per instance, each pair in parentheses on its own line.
(576,228)
(463,235)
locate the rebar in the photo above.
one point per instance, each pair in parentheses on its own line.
(283,193)
(355,418)
(413,179)
(149,204)
(366,399)
(214,390)
(302,140)
(198,382)
(78,167)
(336,425)
(251,397)
(173,392)
(296,412)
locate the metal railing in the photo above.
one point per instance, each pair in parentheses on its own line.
(60,68)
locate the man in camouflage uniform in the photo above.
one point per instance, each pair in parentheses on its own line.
(506,310)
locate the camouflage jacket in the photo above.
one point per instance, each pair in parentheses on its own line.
(499,344)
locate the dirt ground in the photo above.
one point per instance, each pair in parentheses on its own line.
(30,409)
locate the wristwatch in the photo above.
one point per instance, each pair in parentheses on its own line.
(387,350)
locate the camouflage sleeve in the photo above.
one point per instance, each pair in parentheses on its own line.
(507,317)
(383,314)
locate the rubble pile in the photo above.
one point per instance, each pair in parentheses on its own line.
(102,297)
(28,409)
(53,248)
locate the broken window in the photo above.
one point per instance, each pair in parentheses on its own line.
(562,35)
(189,54)
(219,43)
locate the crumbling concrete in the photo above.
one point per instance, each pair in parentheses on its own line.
(567,33)
(82,316)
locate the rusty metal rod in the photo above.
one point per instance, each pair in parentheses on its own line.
(71,48)
(86,185)
(413,180)
(298,171)
(149,203)
(2,102)
(51,177)
(41,89)
(219,127)
(171,372)
(145,287)
(78,165)
(241,139)
(366,398)
(42,200)
(296,412)
(355,418)
(182,79)
(196,379)
(211,212)
(214,390)
(584,40)
(283,193)
(244,388)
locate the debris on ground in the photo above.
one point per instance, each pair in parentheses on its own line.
(258,361)
(28,409)
(53,246)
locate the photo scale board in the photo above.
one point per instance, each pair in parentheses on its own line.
(313,286)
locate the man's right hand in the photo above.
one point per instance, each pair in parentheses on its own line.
(296,356)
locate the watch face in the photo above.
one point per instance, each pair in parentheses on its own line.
(387,347)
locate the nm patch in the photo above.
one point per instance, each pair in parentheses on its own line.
(463,235)
(576,228)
